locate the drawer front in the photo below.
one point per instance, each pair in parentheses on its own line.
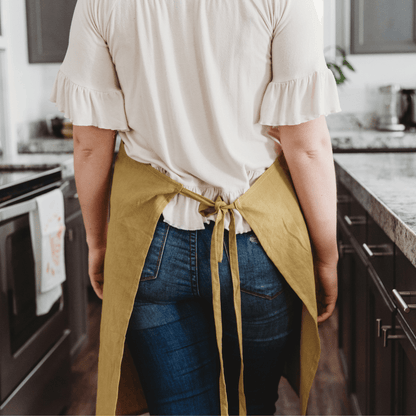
(405,365)
(357,221)
(379,250)
(352,215)
(343,200)
(405,284)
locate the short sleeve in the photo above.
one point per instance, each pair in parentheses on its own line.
(86,89)
(302,87)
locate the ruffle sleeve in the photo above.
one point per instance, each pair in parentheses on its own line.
(86,107)
(300,100)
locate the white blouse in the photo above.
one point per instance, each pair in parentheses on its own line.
(191,84)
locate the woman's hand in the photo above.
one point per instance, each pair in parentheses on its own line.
(326,289)
(96,269)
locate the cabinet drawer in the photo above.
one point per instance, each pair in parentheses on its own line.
(343,200)
(355,221)
(405,364)
(405,274)
(379,250)
(380,319)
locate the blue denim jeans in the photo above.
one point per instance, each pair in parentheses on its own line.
(171,333)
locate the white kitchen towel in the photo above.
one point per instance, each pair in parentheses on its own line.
(47,228)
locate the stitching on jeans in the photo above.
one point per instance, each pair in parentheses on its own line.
(196,263)
(190,253)
(264,296)
(193,234)
(247,291)
(159,259)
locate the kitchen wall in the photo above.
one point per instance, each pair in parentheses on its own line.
(360,93)
(29,84)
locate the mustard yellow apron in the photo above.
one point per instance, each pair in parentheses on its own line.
(138,197)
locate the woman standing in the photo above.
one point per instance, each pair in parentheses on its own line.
(225,242)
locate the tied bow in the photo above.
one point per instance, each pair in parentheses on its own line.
(208,207)
(220,208)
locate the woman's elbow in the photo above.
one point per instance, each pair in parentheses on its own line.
(89,140)
(312,138)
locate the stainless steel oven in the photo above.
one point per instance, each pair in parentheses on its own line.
(34,350)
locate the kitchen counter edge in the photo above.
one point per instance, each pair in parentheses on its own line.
(395,228)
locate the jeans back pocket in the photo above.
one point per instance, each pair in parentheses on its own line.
(258,274)
(154,255)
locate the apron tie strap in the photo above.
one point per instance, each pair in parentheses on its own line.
(208,207)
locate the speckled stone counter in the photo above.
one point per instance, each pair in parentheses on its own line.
(343,141)
(372,141)
(46,145)
(385,185)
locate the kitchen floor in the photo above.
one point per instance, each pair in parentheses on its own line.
(328,395)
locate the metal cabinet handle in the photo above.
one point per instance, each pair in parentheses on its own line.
(386,337)
(355,220)
(384,250)
(406,307)
(378,327)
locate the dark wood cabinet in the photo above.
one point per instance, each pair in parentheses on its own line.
(406,379)
(77,290)
(346,312)
(383,26)
(376,336)
(380,386)
(48,24)
(360,332)
(76,262)
(353,305)
(405,273)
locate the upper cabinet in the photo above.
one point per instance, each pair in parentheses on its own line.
(376,26)
(48,24)
(383,26)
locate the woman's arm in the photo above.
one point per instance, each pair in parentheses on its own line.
(93,157)
(308,152)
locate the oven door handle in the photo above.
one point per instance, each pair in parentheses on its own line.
(18,209)
(24,207)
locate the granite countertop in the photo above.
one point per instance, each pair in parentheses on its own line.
(372,140)
(385,184)
(358,140)
(46,144)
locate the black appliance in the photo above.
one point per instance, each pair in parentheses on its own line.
(35,367)
(408,117)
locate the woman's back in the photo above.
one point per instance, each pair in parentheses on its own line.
(196,78)
(189,84)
